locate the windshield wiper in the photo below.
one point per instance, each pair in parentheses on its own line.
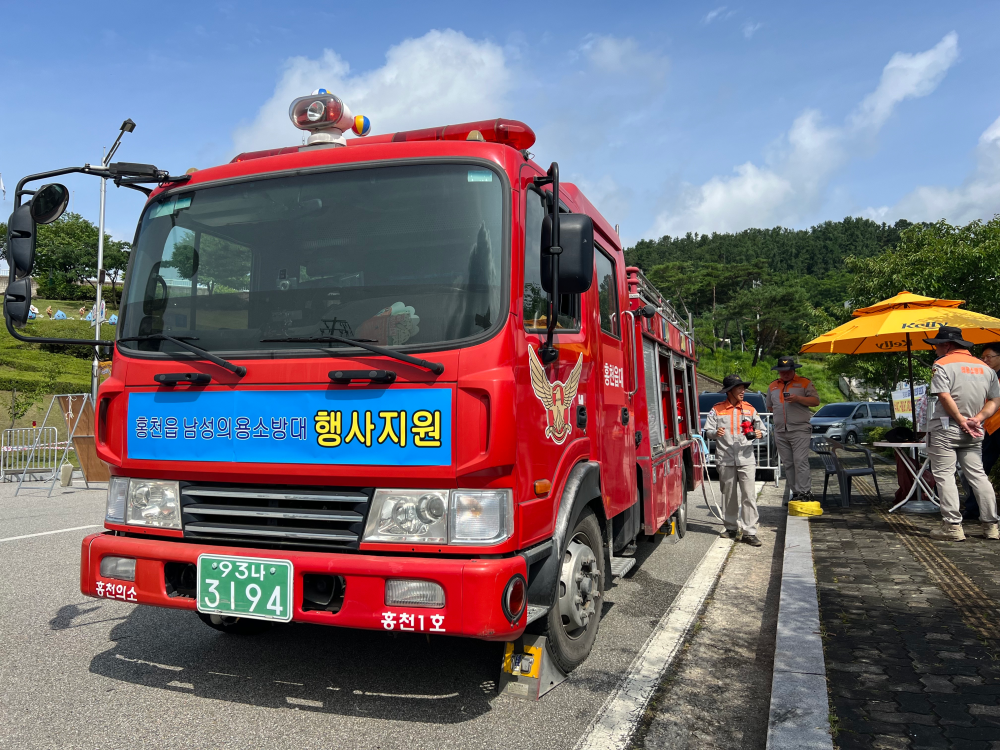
(182,341)
(436,367)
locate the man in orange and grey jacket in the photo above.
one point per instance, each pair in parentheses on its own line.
(734,424)
(968,394)
(788,399)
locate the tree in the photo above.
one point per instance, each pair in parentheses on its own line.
(777,317)
(66,257)
(937,260)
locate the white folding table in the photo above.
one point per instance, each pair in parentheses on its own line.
(920,486)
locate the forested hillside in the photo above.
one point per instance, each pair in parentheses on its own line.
(764,291)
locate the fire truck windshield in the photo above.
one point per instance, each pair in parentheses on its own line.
(401,255)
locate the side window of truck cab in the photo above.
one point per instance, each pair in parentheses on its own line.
(607,293)
(535,299)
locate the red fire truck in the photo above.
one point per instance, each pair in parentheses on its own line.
(401,382)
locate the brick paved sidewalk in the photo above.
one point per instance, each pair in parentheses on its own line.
(911,628)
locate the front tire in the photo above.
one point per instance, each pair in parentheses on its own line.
(572,623)
(851,439)
(235,625)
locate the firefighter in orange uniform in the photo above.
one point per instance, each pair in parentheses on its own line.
(788,399)
(734,424)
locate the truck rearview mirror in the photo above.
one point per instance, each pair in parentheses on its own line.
(49,203)
(576,262)
(17,301)
(21,240)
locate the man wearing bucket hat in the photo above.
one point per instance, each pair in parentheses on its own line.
(734,424)
(788,399)
(968,393)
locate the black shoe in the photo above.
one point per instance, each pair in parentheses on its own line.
(752,540)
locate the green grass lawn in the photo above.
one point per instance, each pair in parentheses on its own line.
(723,363)
(29,369)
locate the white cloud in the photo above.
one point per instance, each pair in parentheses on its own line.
(442,77)
(713,14)
(750,28)
(619,55)
(906,76)
(795,179)
(978,197)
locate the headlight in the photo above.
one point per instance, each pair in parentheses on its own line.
(154,503)
(117,493)
(481,516)
(837,424)
(475,517)
(408,516)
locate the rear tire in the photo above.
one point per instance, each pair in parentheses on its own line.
(235,625)
(571,625)
(681,515)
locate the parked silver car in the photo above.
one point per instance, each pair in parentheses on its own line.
(846,422)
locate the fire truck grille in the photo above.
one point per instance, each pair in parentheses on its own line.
(274,516)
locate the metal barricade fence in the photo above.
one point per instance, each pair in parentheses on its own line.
(766,448)
(29,451)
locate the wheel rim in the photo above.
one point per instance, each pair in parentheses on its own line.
(579,587)
(851,439)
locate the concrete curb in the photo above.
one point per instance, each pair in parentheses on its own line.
(799,717)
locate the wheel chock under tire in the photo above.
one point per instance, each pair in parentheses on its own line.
(527,671)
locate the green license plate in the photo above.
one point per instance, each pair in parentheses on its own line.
(253,587)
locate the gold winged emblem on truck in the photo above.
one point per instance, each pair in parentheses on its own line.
(556,397)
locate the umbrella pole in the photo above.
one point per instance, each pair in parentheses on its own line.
(909,365)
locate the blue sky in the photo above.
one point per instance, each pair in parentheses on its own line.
(673,117)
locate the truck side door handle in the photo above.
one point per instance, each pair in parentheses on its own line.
(624,415)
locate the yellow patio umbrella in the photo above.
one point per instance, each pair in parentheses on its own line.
(902,322)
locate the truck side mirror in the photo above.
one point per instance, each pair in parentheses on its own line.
(647,311)
(21,241)
(45,206)
(576,261)
(49,202)
(17,301)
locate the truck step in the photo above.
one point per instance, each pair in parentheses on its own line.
(621,565)
(536,611)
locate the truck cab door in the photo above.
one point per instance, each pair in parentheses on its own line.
(616,429)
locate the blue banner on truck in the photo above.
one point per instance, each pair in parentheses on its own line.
(390,426)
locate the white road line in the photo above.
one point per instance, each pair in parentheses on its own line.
(614,724)
(46,533)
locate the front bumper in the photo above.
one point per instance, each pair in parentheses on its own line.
(473,587)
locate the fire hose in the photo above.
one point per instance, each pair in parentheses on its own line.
(703,453)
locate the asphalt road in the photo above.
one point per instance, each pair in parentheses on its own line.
(77,672)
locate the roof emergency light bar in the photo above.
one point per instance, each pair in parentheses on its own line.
(511,133)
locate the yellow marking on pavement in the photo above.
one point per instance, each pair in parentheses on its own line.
(977,609)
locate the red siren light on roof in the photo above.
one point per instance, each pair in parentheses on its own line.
(508,132)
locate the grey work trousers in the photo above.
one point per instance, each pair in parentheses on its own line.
(945,448)
(793,449)
(739,498)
